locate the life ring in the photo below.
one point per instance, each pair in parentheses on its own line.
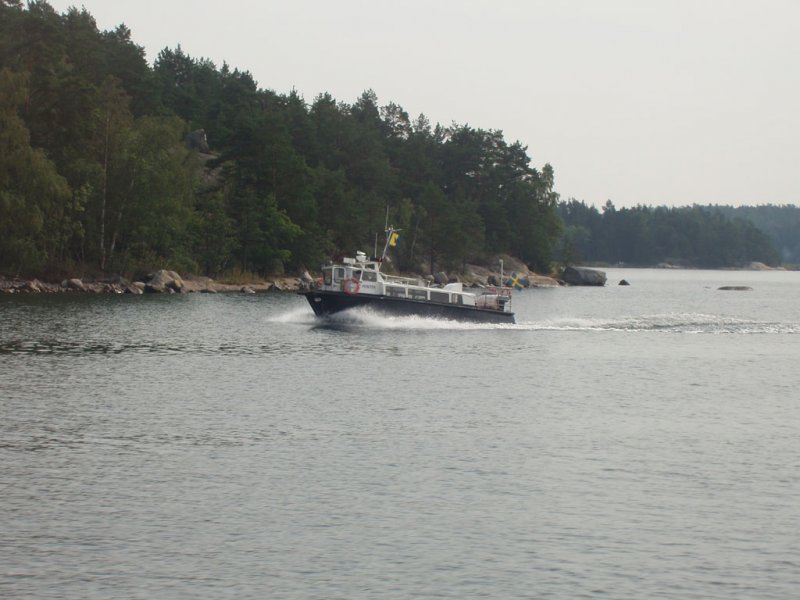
(351,286)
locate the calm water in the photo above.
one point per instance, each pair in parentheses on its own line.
(618,442)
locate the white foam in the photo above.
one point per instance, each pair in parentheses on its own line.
(366,317)
(695,323)
(667,323)
(296,315)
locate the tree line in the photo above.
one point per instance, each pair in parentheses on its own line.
(94,169)
(691,236)
(95,172)
(780,222)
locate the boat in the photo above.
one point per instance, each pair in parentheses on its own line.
(359,282)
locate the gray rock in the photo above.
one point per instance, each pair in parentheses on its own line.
(197,140)
(246,289)
(75,284)
(440,278)
(623,282)
(735,288)
(584,276)
(164,282)
(177,283)
(31,286)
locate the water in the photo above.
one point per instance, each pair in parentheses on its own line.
(618,442)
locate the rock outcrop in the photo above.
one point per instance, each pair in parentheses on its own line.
(583,276)
(164,282)
(197,140)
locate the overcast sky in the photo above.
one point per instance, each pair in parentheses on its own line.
(642,102)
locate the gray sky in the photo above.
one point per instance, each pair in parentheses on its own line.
(642,102)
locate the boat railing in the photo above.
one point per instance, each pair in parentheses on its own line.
(396,279)
(497,291)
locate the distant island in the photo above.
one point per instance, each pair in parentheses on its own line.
(111,166)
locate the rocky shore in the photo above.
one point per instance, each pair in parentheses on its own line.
(169,282)
(158,282)
(164,281)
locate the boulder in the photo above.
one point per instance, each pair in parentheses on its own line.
(623,282)
(542,281)
(735,288)
(164,282)
(584,276)
(31,286)
(75,284)
(246,289)
(440,278)
(197,140)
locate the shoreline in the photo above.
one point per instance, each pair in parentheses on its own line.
(169,282)
(118,285)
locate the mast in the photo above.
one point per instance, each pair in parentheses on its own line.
(390,231)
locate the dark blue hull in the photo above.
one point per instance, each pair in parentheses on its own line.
(326,303)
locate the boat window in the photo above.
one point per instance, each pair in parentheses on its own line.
(370,276)
(357,274)
(327,274)
(397,291)
(338,273)
(417,294)
(440,297)
(458,299)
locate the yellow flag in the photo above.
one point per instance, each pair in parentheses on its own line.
(393,239)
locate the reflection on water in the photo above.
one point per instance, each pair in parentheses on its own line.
(624,441)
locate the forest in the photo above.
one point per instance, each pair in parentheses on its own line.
(696,236)
(96,173)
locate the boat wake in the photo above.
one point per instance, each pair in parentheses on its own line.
(667,323)
(300,316)
(686,323)
(366,318)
